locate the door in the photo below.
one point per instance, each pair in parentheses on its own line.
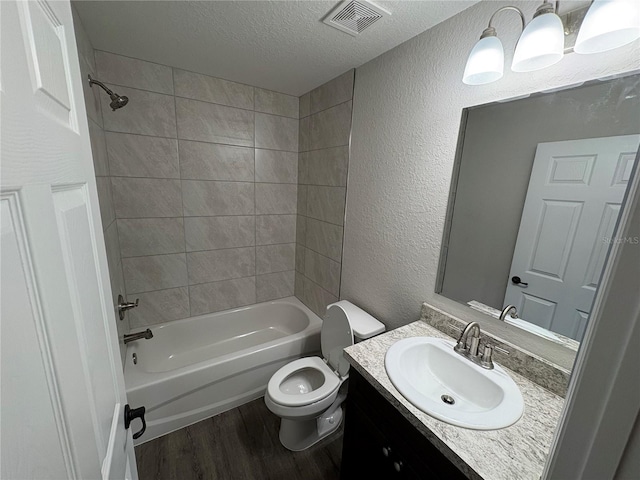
(62,399)
(572,204)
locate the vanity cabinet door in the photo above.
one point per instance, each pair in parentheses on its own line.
(379,442)
(366,451)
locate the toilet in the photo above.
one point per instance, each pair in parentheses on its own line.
(307,394)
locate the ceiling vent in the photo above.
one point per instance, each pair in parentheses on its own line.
(355,16)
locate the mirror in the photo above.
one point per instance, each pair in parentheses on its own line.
(537,187)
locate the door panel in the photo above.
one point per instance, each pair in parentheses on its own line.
(554,240)
(79,255)
(33,424)
(572,205)
(599,249)
(62,412)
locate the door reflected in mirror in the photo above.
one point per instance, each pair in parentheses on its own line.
(537,189)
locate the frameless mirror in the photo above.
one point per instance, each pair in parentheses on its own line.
(537,187)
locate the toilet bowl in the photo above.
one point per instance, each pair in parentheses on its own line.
(307,394)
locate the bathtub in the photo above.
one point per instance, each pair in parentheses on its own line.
(198,367)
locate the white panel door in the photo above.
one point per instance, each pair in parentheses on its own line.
(62,399)
(572,204)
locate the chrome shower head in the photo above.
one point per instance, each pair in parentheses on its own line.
(117,101)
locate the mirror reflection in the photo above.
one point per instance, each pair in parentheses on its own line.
(537,188)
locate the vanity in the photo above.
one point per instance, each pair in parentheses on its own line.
(536,189)
(386,436)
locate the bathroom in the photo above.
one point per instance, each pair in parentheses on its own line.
(230,186)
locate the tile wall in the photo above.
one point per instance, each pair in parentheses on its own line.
(323,161)
(203,177)
(215,194)
(92,98)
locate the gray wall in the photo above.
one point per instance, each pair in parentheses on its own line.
(497,157)
(629,467)
(325,129)
(101,167)
(406,117)
(202,184)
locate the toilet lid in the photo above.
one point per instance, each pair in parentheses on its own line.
(336,336)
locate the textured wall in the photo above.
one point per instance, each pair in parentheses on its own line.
(100,163)
(407,111)
(323,161)
(202,184)
(499,148)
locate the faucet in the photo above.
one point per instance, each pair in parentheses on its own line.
(469,349)
(506,311)
(147,334)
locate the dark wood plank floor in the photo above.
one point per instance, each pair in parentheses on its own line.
(239,444)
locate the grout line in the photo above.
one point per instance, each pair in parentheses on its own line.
(206,180)
(116,85)
(297,118)
(191,71)
(255,206)
(184,226)
(216,216)
(216,281)
(110,187)
(346,195)
(178,139)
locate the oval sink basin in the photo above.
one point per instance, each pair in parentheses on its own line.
(449,387)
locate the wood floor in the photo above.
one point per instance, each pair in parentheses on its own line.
(239,444)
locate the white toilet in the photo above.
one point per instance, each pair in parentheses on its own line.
(307,393)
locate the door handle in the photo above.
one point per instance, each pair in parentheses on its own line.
(132,413)
(517,281)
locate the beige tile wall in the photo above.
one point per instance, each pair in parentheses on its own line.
(201,187)
(323,161)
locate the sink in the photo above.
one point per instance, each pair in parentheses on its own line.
(449,387)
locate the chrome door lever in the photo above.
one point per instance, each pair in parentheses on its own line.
(124,306)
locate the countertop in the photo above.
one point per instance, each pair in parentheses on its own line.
(517,452)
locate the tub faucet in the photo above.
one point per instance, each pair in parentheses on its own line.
(147,334)
(509,310)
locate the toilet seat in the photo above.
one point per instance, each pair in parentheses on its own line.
(330,384)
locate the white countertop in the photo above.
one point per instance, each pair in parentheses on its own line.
(517,452)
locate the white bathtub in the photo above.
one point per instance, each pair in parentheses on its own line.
(198,367)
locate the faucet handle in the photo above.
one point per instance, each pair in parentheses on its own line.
(486,360)
(123,306)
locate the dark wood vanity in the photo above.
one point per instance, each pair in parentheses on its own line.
(380,443)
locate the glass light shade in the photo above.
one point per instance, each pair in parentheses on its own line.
(485,63)
(540,45)
(608,24)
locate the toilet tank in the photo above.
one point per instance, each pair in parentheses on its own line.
(362,324)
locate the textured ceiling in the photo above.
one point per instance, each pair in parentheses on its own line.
(278,45)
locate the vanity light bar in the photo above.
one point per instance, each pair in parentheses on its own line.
(607,24)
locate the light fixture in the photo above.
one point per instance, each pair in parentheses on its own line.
(486,60)
(541,43)
(609,24)
(601,26)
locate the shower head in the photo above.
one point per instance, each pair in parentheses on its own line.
(117,101)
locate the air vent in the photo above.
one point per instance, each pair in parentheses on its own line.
(355,16)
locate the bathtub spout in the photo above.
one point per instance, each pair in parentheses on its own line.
(147,334)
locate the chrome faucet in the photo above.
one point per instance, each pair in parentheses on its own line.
(147,334)
(468,346)
(463,344)
(507,311)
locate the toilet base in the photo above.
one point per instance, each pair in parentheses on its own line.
(299,435)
